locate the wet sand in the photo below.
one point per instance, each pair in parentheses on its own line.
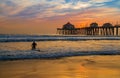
(69,67)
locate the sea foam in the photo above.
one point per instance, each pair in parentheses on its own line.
(36,54)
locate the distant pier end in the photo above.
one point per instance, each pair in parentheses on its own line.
(106,30)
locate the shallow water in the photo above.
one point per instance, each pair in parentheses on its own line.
(64,46)
(56,49)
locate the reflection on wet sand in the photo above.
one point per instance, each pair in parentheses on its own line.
(72,67)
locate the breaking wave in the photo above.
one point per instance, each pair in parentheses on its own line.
(25,38)
(29,54)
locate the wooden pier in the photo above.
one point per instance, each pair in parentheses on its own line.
(106,30)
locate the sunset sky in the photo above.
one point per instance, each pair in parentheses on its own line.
(44,16)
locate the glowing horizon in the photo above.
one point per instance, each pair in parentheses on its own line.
(44,16)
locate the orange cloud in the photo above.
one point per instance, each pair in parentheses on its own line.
(43,16)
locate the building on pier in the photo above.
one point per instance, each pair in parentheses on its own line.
(68,29)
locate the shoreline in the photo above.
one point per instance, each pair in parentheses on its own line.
(87,66)
(53,58)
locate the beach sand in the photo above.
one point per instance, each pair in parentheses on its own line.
(69,67)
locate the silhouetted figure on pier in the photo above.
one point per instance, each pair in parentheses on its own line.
(34,44)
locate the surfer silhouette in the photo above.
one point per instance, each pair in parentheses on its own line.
(34,44)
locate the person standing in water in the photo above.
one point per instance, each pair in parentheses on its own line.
(34,44)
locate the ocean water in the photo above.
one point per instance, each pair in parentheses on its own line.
(28,38)
(62,57)
(19,47)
